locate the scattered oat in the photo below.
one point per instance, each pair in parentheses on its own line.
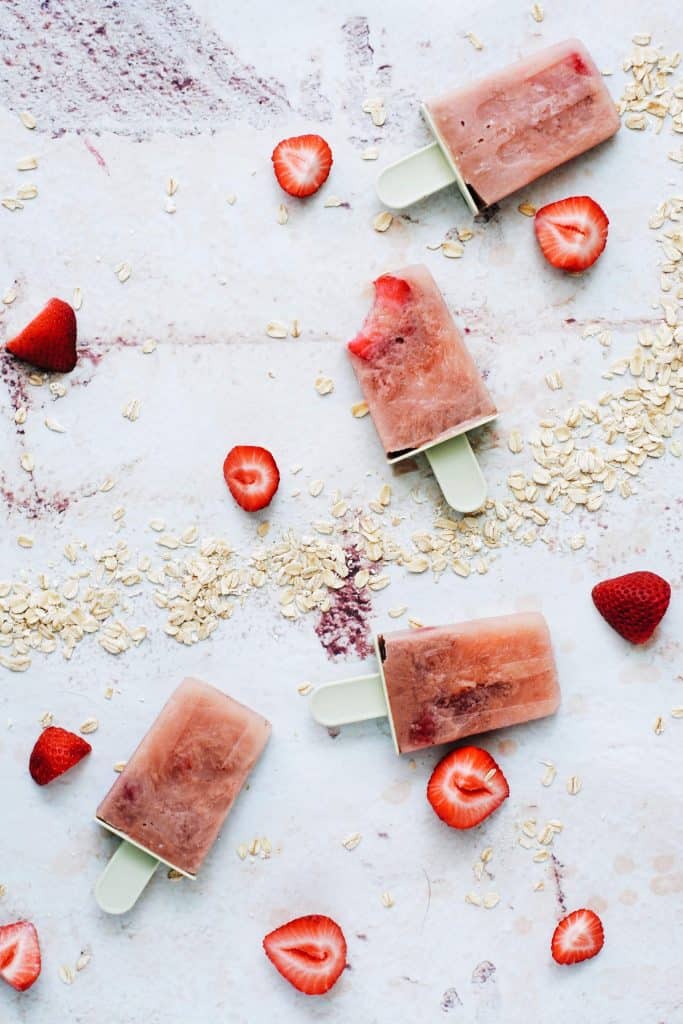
(10,295)
(304,688)
(24,542)
(27,119)
(53,425)
(119,766)
(491,899)
(77,300)
(577,541)
(149,346)
(554,380)
(90,725)
(295,329)
(528,209)
(359,410)
(123,271)
(27,163)
(242,851)
(549,775)
(57,389)
(352,840)
(333,201)
(387,900)
(475,41)
(515,443)
(276,329)
(658,726)
(171,187)
(316,487)
(131,410)
(27,192)
(642,39)
(677,712)
(537,12)
(324,385)
(28,463)
(231,199)
(371,153)
(453,250)
(383,221)
(282,214)
(174,875)
(473,898)
(574,785)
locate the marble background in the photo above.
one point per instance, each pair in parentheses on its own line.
(124,96)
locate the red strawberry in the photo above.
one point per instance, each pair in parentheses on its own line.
(310,952)
(391,293)
(49,341)
(633,604)
(252,475)
(302,164)
(56,751)
(578,936)
(19,954)
(466,786)
(572,232)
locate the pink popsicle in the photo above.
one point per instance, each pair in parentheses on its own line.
(446,682)
(514,125)
(178,787)
(417,376)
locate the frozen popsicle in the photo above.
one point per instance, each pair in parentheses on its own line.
(176,790)
(441,683)
(498,134)
(419,380)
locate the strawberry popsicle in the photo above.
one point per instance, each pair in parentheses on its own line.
(512,126)
(418,378)
(439,684)
(178,787)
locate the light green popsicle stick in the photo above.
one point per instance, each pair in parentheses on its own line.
(415,177)
(124,878)
(458,473)
(349,700)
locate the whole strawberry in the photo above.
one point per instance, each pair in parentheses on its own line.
(56,750)
(633,604)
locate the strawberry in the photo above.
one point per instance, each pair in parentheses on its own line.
(19,954)
(49,341)
(252,475)
(578,936)
(466,786)
(391,294)
(56,751)
(302,164)
(571,232)
(633,604)
(310,952)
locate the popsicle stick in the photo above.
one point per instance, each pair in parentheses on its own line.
(458,473)
(124,878)
(415,177)
(349,700)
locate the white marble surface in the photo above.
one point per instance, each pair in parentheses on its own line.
(205,282)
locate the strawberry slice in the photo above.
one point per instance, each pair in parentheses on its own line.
(466,786)
(578,936)
(19,954)
(252,475)
(302,164)
(633,604)
(391,294)
(56,751)
(571,232)
(49,341)
(310,952)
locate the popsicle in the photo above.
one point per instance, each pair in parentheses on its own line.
(438,684)
(498,134)
(175,792)
(421,384)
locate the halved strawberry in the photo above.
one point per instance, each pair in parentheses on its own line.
(633,604)
(56,750)
(391,292)
(310,952)
(19,954)
(571,232)
(49,340)
(578,936)
(466,786)
(252,475)
(302,164)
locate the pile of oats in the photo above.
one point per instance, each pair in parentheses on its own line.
(653,96)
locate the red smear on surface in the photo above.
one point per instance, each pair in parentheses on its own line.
(101,162)
(344,630)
